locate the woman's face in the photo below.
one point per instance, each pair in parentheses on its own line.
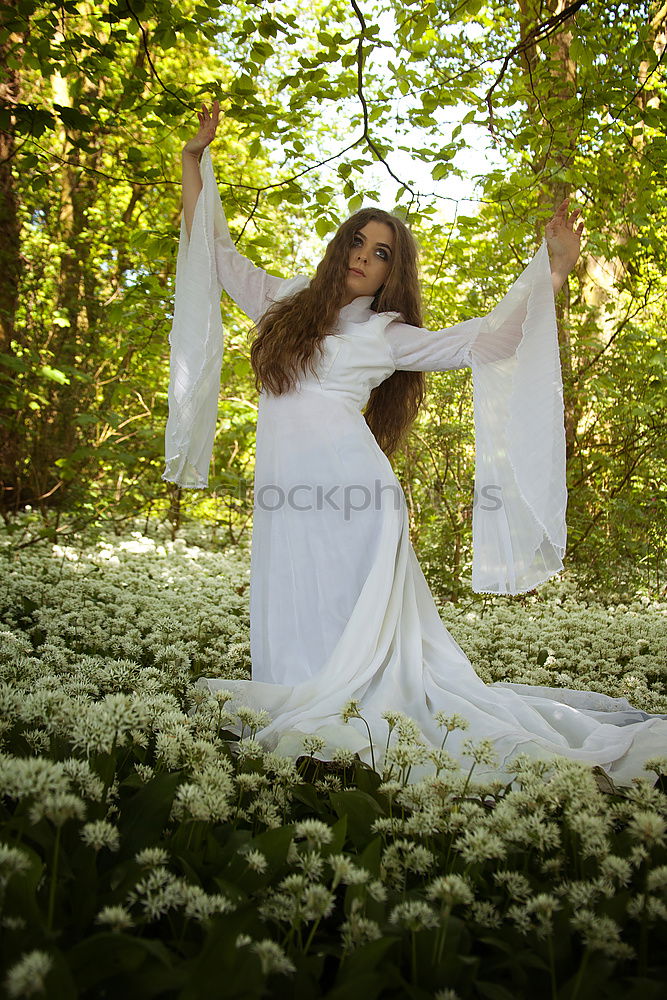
(370,259)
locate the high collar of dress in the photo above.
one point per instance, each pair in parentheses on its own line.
(357,309)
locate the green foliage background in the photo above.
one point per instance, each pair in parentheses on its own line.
(95,103)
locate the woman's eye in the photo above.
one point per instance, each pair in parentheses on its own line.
(383,255)
(356,241)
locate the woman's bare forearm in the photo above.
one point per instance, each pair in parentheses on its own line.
(190,157)
(191,185)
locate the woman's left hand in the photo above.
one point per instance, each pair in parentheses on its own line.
(564,242)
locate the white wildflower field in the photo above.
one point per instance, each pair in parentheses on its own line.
(146,852)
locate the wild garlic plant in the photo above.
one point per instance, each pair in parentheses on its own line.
(134,826)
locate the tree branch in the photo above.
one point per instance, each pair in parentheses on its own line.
(541,31)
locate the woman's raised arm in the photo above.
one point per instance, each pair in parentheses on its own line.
(251,287)
(190,157)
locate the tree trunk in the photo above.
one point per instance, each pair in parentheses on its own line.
(10,254)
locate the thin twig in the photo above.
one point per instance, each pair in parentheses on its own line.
(537,34)
(144,38)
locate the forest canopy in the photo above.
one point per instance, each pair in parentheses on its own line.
(328,106)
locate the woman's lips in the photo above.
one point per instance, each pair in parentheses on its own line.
(355,270)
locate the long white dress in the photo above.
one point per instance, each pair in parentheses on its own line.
(339,607)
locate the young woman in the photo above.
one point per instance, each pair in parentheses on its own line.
(340,610)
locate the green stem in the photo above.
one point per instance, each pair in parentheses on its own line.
(54,880)
(370,740)
(443,934)
(311,935)
(192,827)
(465,787)
(386,748)
(552,968)
(643,941)
(580,975)
(109,782)
(184,927)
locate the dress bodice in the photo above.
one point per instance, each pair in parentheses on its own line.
(355,357)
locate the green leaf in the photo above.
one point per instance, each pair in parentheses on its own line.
(361,810)
(54,374)
(493,991)
(323,226)
(100,958)
(144,816)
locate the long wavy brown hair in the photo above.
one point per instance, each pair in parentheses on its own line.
(291,329)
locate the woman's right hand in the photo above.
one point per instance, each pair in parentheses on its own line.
(208,126)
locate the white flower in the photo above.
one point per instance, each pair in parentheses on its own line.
(390,788)
(252,781)
(198,905)
(249,749)
(13,923)
(88,782)
(377,891)
(657,879)
(482,752)
(407,729)
(272,957)
(617,871)
(414,915)
(583,895)
(221,697)
(648,827)
(152,857)
(256,860)
(313,744)
(253,720)
(21,777)
(391,718)
(406,755)
(404,855)
(344,757)
(13,861)
(115,917)
(318,902)
(26,978)
(311,864)
(657,764)
(542,908)
(209,797)
(100,725)
(358,930)
(516,883)
(451,722)
(345,871)
(37,740)
(450,890)
(57,807)
(592,829)
(157,893)
(443,760)
(99,833)
(601,933)
(350,711)
(485,914)
(316,833)
(476,846)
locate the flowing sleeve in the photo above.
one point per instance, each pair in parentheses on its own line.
(519,529)
(207,262)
